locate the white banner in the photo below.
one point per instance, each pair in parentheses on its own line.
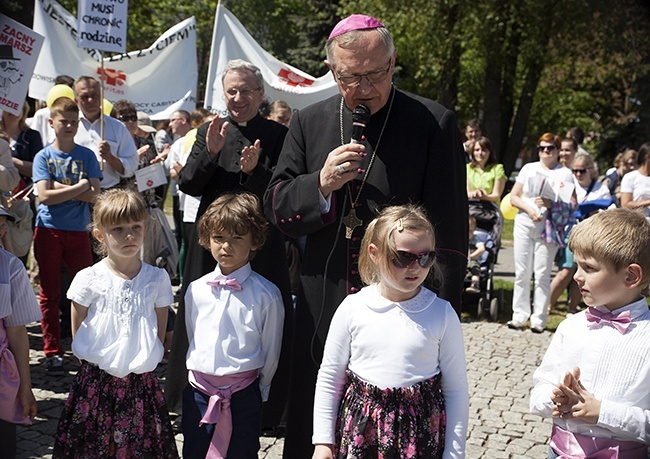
(19,48)
(230,40)
(158,80)
(103,24)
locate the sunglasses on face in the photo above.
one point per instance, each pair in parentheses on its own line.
(579,171)
(403,259)
(546,147)
(124,118)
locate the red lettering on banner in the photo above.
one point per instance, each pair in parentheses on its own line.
(17,39)
(15,44)
(8,103)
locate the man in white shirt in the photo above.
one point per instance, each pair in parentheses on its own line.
(115,149)
(180,126)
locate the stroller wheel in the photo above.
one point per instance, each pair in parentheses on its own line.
(480,309)
(494,309)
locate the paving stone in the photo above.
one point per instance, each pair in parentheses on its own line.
(474,450)
(495,453)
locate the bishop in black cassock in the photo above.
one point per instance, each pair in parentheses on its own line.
(413,153)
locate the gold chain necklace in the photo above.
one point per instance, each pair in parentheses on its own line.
(351,221)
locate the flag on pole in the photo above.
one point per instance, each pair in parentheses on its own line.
(230,40)
(158,80)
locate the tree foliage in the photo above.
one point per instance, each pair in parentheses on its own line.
(524,66)
(527,66)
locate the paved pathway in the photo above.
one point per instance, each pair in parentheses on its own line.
(500,366)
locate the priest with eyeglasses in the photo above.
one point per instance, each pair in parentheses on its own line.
(327,188)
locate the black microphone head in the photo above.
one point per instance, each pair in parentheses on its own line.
(361,114)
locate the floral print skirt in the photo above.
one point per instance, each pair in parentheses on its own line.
(400,423)
(110,417)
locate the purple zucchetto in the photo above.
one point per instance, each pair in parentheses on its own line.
(354,22)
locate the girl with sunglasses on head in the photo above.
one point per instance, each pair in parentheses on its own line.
(534,250)
(393,380)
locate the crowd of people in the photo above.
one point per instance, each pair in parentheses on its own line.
(298,247)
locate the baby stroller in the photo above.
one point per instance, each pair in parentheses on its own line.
(489,225)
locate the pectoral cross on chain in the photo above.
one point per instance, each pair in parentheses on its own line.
(351,221)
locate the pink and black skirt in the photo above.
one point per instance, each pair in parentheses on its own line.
(107,416)
(395,423)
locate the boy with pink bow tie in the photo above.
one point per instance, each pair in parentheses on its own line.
(234,320)
(594,380)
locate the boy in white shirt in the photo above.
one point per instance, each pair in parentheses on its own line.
(594,380)
(234,319)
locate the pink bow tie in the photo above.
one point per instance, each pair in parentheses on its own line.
(621,321)
(229,283)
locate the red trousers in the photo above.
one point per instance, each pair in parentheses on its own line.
(52,248)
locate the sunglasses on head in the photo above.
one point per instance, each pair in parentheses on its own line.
(128,118)
(404,259)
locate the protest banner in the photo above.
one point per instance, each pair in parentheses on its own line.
(158,80)
(103,25)
(19,48)
(231,40)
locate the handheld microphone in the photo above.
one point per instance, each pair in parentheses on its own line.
(360,117)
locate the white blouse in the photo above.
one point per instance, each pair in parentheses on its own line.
(120,332)
(639,186)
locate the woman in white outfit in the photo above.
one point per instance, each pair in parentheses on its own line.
(533,254)
(635,185)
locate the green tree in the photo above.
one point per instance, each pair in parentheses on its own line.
(313,25)
(599,83)
(524,66)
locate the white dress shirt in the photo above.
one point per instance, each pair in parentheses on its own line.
(232,331)
(391,344)
(120,141)
(120,332)
(614,367)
